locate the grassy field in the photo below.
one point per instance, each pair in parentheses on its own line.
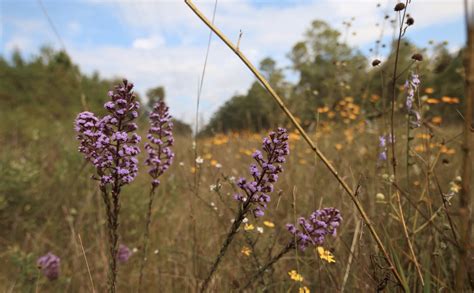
(49,203)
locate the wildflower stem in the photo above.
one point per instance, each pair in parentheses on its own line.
(111,235)
(146,236)
(230,236)
(285,250)
(303,133)
(394,158)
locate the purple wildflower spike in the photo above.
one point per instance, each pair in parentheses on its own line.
(110,143)
(49,265)
(160,137)
(314,230)
(265,172)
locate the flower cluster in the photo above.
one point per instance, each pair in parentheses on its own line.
(160,135)
(123,253)
(315,229)
(411,85)
(49,265)
(110,143)
(264,172)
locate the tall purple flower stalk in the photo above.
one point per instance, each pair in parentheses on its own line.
(49,265)
(111,145)
(160,157)
(255,193)
(321,223)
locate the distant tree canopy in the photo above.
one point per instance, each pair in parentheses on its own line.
(50,87)
(329,70)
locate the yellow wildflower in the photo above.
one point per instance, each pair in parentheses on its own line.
(429,90)
(432,101)
(450,100)
(325,255)
(437,120)
(248,227)
(304,289)
(246,251)
(268,224)
(295,276)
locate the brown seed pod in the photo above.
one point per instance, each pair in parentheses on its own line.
(417,57)
(400,6)
(376,62)
(410,21)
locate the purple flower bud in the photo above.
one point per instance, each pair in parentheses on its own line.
(314,230)
(123,253)
(49,265)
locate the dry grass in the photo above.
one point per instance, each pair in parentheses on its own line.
(55,200)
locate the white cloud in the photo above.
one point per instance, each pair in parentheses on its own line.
(74,27)
(149,43)
(18,43)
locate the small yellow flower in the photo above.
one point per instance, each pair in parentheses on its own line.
(450,100)
(248,227)
(437,120)
(246,251)
(213,163)
(295,276)
(429,90)
(325,255)
(268,224)
(304,289)
(432,101)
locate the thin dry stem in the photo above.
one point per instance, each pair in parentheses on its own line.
(87,263)
(394,158)
(351,255)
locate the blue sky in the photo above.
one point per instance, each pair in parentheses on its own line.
(162,43)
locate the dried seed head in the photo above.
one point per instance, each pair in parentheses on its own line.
(417,57)
(400,6)
(410,20)
(376,62)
